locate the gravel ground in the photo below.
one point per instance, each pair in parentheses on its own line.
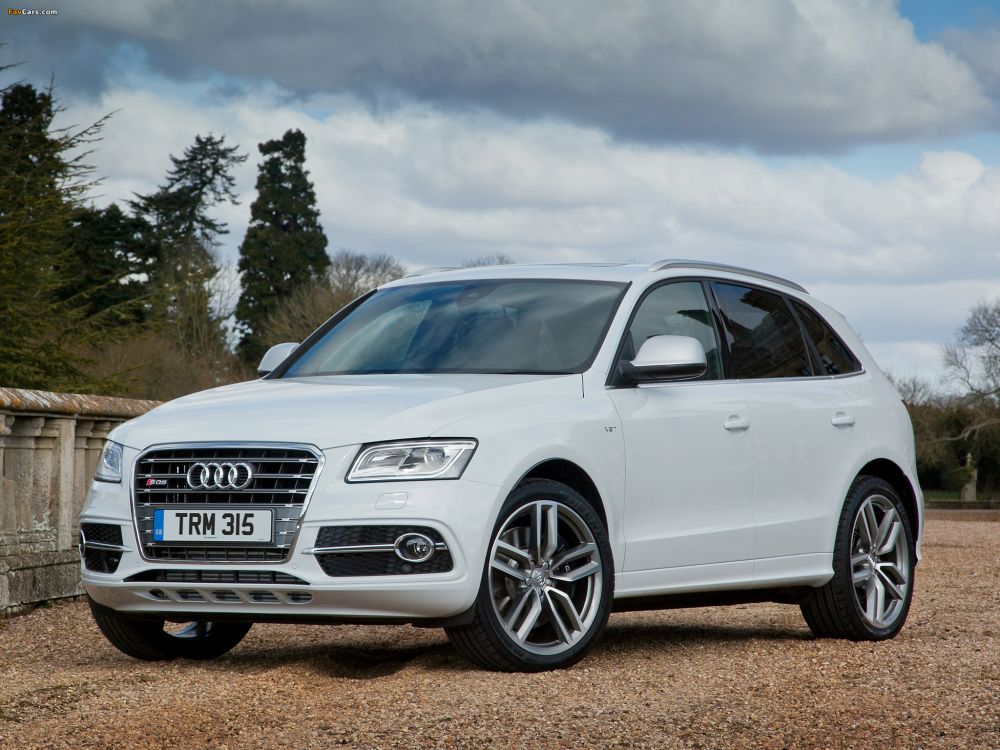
(737,677)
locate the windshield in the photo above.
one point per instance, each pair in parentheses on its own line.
(486,326)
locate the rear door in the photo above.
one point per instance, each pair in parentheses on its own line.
(808,425)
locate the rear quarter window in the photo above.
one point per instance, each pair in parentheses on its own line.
(834,356)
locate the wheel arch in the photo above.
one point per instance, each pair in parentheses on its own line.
(572,475)
(889,471)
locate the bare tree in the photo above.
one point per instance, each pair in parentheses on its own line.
(913,389)
(495,259)
(974,363)
(351,275)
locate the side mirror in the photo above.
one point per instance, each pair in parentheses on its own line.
(274,357)
(668,358)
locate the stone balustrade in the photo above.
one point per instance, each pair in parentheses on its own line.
(49,446)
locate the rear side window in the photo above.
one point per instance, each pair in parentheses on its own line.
(764,338)
(834,356)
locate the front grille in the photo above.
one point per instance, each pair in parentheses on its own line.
(376,563)
(282,477)
(216,576)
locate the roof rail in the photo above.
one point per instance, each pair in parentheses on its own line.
(663,265)
(435,269)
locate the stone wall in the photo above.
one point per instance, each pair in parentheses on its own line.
(49,445)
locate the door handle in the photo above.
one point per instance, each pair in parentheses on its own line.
(736,423)
(842,419)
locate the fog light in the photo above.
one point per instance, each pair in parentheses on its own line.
(414,548)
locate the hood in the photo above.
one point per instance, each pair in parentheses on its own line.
(331,411)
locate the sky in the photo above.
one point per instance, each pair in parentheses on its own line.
(851,145)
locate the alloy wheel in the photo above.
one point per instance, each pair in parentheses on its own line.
(545,577)
(880,562)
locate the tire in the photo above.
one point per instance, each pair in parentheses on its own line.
(544,600)
(869,596)
(147,640)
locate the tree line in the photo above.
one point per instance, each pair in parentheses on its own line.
(957,428)
(130,299)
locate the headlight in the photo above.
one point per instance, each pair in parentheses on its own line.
(109,465)
(424,459)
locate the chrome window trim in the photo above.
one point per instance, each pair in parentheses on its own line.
(744,381)
(646,386)
(841,376)
(803,378)
(316,452)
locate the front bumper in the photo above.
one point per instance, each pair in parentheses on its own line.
(461,511)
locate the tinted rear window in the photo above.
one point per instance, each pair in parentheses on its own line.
(835,358)
(764,338)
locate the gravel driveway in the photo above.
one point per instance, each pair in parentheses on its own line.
(738,677)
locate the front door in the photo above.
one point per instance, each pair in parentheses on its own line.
(688,506)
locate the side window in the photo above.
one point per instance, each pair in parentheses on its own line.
(764,339)
(835,357)
(676,309)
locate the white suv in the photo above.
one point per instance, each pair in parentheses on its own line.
(512,453)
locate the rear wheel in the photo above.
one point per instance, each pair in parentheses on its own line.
(157,640)
(547,586)
(869,595)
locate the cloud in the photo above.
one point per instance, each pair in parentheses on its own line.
(774,75)
(904,258)
(903,358)
(419,180)
(980,49)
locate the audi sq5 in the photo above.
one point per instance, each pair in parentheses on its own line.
(512,454)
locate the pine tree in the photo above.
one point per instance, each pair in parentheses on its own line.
(107,267)
(40,186)
(183,239)
(179,210)
(284,246)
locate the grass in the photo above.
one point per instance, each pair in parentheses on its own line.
(941,495)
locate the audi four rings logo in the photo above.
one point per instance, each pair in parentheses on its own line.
(219,476)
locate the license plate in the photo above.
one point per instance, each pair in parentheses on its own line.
(171,525)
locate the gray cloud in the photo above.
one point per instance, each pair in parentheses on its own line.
(773,75)
(980,49)
(903,256)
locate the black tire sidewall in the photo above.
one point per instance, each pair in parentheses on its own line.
(551,490)
(145,638)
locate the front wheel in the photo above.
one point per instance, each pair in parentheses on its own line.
(156,640)
(869,595)
(547,586)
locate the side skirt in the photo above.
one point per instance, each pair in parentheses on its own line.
(784,595)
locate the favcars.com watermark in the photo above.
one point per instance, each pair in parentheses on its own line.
(31,12)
